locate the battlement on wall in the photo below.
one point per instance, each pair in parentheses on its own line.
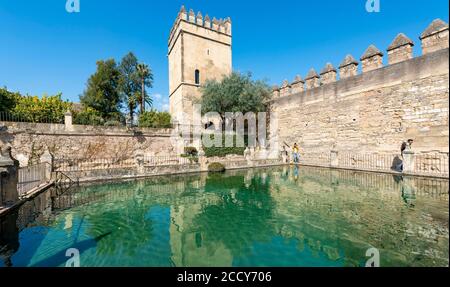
(222,26)
(434,38)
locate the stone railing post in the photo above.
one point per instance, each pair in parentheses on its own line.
(47,158)
(408,161)
(139,160)
(9,173)
(68,125)
(202,160)
(249,155)
(284,157)
(334,159)
(408,189)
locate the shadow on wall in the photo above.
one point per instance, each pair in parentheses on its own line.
(397,164)
(5,136)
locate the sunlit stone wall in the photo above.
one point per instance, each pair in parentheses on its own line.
(376,110)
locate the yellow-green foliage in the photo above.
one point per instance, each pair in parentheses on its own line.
(45,109)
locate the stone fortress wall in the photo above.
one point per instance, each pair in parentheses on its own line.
(30,140)
(375,111)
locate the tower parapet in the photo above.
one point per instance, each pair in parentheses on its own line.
(312,79)
(298,85)
(371,59)
(348,67)
(221,26)
(401,49)
(191,16)
(285,88)
(328,74)
(207,23)
(435,37)
(199,19)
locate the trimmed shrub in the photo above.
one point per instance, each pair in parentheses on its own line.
(224,151)
(190,151)
(192,159)
(216,167)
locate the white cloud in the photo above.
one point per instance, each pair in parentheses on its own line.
(165,108)
(156,96)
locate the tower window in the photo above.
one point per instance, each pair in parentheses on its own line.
(197,77)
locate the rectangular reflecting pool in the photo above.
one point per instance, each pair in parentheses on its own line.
(280,216)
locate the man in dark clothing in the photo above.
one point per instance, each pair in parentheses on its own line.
(406,145)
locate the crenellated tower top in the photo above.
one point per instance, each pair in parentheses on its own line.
(222,26)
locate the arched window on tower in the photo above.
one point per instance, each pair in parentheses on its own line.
(197,77)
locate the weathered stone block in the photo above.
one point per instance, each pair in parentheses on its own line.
(348,67)
(400,49)
(435,37)
(312,80)
(371,59)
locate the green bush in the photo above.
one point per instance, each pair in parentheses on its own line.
(113,123)
(88,116)
(224,151)
(216,167)
(155,119)
(192,159)
(190,151)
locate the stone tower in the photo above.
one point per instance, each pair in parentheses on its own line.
(199,50)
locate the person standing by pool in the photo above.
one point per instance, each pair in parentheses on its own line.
(406,146)
(295,151)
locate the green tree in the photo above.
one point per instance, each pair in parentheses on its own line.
(234,93)
(146,80)
(7,100)
(129,82)
(102,92)
(87,116)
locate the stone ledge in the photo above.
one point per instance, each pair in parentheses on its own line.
(79,130)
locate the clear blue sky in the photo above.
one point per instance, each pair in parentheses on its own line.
(44,49)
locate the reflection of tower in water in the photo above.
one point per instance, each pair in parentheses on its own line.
(9,238)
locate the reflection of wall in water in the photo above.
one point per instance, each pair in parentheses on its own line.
(337,208)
